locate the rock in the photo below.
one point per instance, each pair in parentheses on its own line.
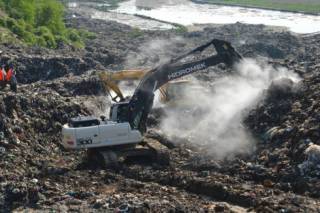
(219,208)
(2,150)
(312,163)
(267,183)
(281,88)
(313,153)
(35,180)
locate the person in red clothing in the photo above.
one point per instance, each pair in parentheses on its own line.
(2,74)
(8,78)
(9,74)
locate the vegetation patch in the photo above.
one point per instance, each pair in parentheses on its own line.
(39,22)
(312,6)
(109,5)
(135,32)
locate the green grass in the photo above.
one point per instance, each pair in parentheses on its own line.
(307,7)
(39,22)
(135,32)
(6,36)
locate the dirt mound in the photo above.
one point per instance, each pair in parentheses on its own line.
(287,123)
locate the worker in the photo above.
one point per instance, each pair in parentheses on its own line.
(9,73)
(2,73)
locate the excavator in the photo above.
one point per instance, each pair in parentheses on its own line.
(121,136)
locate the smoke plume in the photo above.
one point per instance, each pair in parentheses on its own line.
(211,113)
(154,52)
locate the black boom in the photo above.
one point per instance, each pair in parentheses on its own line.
(141,102)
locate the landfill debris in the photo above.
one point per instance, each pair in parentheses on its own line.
(38,174)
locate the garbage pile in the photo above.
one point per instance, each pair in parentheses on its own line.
(287,123)
(282,174)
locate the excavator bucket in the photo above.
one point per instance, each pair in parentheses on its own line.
(110,79)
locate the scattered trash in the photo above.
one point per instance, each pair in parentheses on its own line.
(34,180)
(124,208)
(2,150)
(32,174)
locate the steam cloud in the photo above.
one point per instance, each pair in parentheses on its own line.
(211,113)
(218,109)
(154,52)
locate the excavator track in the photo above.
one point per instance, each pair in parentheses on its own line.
(109,159)
(114,157)
(105,158)
(161,154)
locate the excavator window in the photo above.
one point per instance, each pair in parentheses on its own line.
(83,122)
(123,113)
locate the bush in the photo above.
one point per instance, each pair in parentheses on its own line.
(40,41)
(41,31)
(135,32)
(181,29)
(50,14)
(74,35)
(61,39)
(41,22)
(18,30)
(3,23)
(86,34)
(50,40)
(17,27)
(10,22)
(29,38)
(21,9)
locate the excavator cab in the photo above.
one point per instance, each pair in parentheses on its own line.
(119,111)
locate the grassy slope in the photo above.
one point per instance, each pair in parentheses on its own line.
(6,36)
(38,22)
(307,6)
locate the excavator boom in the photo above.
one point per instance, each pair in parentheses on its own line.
(142,100)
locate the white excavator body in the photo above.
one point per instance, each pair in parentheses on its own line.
(90,132)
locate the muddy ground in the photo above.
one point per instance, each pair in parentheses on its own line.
(37,173)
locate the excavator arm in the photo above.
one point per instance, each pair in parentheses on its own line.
(110,79)
(141,102)
(110,83)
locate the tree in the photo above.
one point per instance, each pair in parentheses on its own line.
(50,14)
(21,9)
